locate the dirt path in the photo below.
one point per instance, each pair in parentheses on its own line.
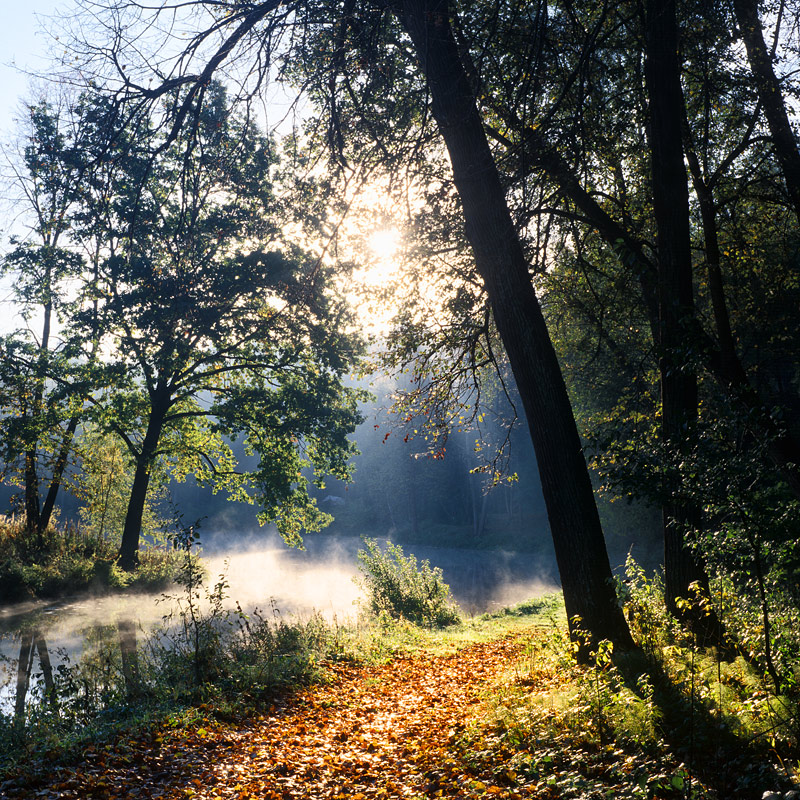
(372,732)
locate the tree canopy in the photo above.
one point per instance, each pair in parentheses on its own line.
(616,180)
(208,323)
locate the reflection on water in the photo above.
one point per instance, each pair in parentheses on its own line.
(38,639)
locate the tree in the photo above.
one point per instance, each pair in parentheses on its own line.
(499,257)
(40,417)
(770,94)
(574,522)
(676,310)
(217,327)
(596,115)
(103,484)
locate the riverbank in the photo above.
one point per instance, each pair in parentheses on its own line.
(492,707)
(68,562)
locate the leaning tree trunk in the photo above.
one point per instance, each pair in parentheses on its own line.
(577,535)
(677,321)
(58,474)
(769,93)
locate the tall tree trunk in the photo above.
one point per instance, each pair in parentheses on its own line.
(129,549)
(58,474)
(580,549)
(32,498)
(784,450)
(769,92)
(677,322)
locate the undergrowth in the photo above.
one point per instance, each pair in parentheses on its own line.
(212,654)
(67,560)
(671,720)
(398,586)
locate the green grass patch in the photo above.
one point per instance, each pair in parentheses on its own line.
(671,720)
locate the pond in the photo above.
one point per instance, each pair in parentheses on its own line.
(39,639)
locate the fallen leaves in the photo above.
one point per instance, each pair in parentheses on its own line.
(372,732)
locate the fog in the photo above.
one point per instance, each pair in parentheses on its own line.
(493,547)
(271,576)
(321,577)
(260,572)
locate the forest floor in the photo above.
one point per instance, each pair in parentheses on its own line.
(418,726)
(377,731)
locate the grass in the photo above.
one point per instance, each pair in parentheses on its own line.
(382,638)
(69,561)
(228,662)
(670,720)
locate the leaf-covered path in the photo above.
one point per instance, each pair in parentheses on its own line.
(380,731)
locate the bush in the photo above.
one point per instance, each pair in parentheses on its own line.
(395,584)
(67,560)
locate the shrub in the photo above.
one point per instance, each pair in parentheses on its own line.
(395,584)
(68,560)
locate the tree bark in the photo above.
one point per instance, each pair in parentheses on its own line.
(58,474)
(580,549)
(678,333)
(129,548)
(769,92)
(32,499)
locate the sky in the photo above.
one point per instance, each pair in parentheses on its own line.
(22,45)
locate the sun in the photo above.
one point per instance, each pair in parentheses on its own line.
(384,243)
(383,248)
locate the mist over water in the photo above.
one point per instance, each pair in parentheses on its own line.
(263,573)
(290,581)
(321,577)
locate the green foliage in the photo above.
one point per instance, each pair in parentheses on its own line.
(103,485)
(69,561)
(740,687)
(679,722)
(547,604)
(190,320)
(396,585)
(41,360)
(226,653)
(218,328)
